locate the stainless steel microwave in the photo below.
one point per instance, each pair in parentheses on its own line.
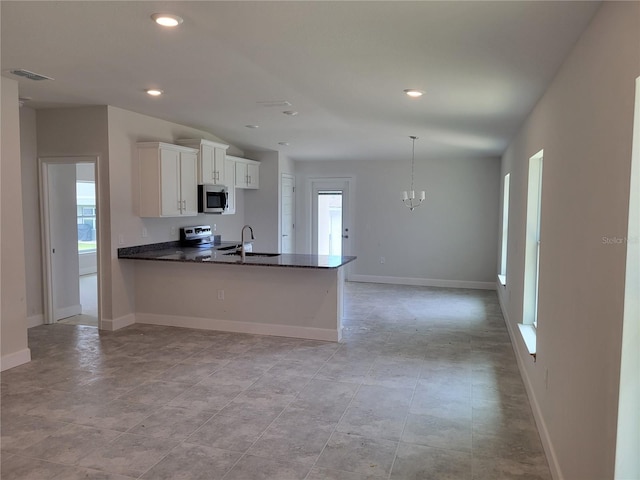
(212,198)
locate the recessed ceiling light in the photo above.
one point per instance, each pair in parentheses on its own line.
(167,19)
(413,93)
(252,126)
(291,113)
(154,92)
(284,144)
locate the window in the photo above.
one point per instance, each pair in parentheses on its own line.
(502,276)
(532,252)
(86,216)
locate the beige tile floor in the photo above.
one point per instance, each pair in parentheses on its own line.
(424,386)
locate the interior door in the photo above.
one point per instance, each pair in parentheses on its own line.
(63,238)
(287,217)
(330,214)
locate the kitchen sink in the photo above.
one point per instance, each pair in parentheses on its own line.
(230,247)
(255,254)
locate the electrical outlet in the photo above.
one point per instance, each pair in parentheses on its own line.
(145,234)
(214,227)
(173,230)
(382,259)
(220,294)
(121,239)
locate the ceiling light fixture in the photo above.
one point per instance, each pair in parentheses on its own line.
(284,144)
(167,19)
(154,92)
(413,93)
(409,197)
(252,126)
(291,113)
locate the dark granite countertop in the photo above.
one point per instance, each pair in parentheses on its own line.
(217,254)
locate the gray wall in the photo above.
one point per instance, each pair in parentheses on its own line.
(584,124)
(13,310)
(450,240)
(31,215)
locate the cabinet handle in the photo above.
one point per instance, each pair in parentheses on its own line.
(179,206)
(184,205)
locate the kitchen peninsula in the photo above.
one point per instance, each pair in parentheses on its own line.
(290,295)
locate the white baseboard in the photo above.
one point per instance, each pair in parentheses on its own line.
(239,327)
(522,353)
(35,320)
(118,323)
(69,311)
(14,359)
(423,282)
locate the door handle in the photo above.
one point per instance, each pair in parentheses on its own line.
(345,236)
(285,235)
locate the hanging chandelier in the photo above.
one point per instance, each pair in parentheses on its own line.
(409,197)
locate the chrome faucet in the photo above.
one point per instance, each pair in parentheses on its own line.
(243,252)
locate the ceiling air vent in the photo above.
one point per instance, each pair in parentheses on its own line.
(30,75)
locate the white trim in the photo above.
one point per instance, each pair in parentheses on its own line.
(423,282)
(47,280)
(69,311)
(35,320)
(552,458)
(14,359)
(239,327)
(503,280)
(118,323)
(528,333)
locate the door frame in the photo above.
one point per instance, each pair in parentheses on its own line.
(45,223)
(328,183)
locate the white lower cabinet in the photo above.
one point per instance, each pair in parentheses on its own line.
(168,179)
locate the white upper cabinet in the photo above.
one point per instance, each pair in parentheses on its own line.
(168,180)
(211,160)
(247,173)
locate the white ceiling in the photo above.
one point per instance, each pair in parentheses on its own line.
(342,65)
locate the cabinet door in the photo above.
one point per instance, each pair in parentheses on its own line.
(207,167)
(219,157)
(170,201)
(253,175)
(241,175)
(230,182)
(189,183)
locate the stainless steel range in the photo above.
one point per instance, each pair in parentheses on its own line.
(198,236)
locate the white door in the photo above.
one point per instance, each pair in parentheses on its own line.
(287,217)
(63,234)
(330,217)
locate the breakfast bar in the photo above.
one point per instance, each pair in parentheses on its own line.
(290,295)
